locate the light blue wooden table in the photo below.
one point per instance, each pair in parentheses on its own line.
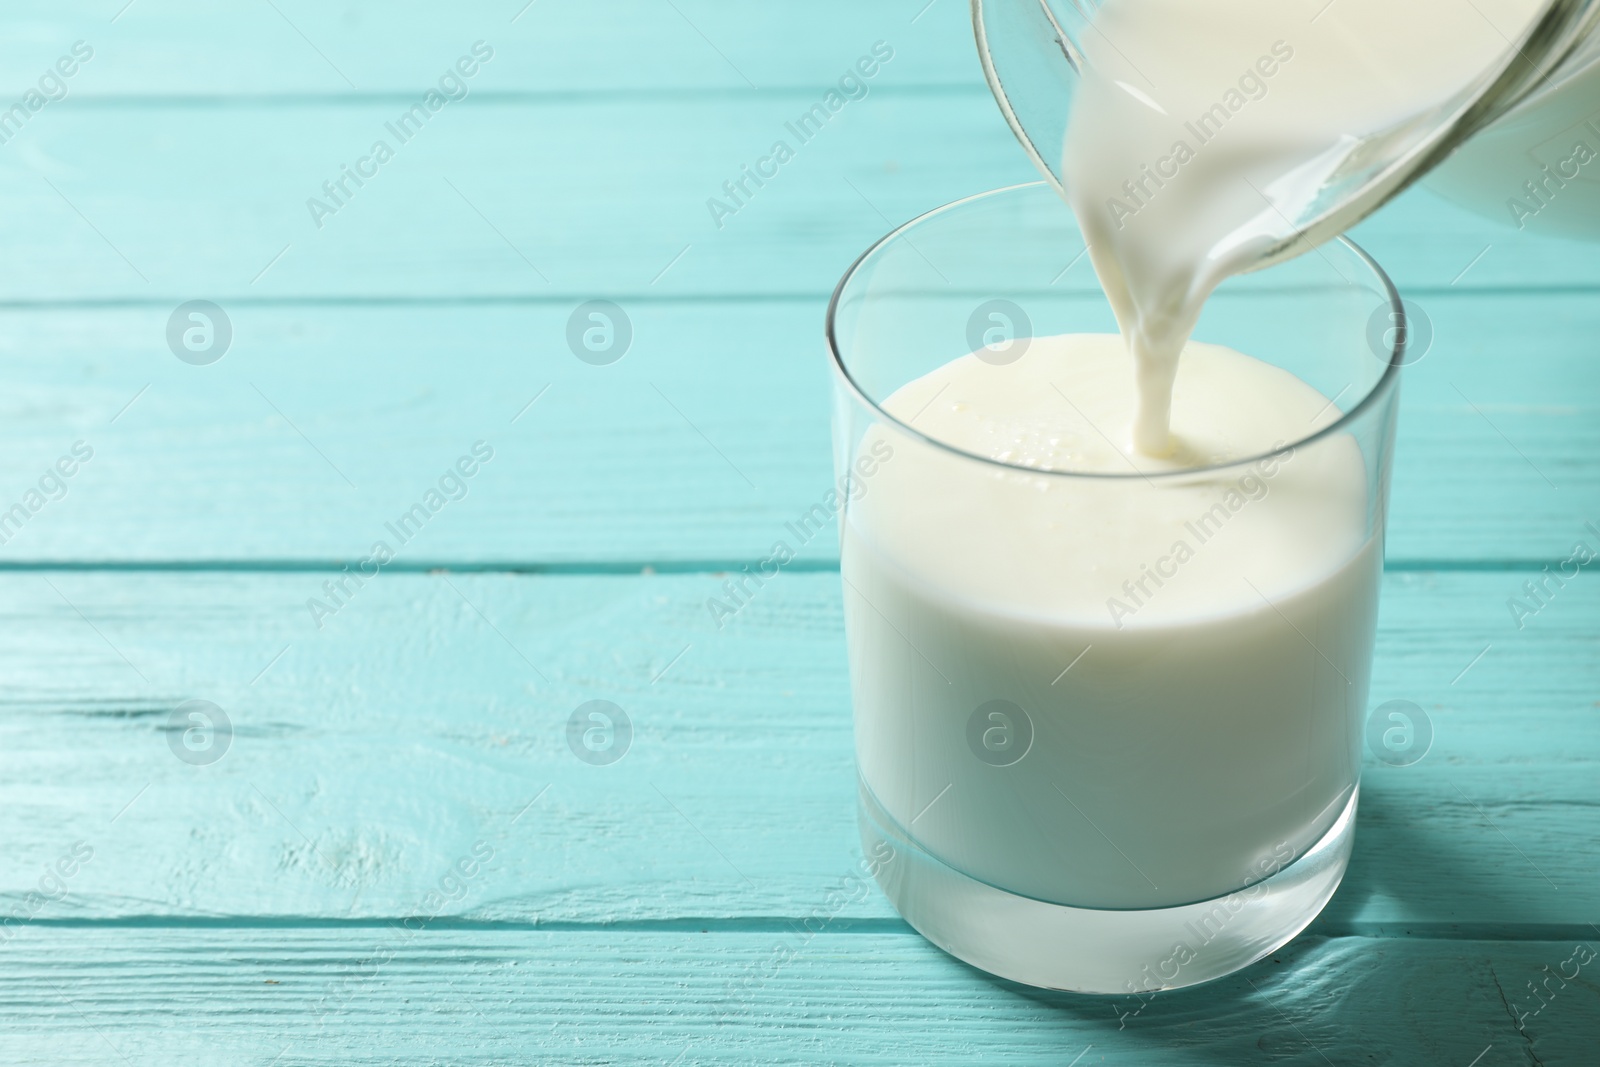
(397,856)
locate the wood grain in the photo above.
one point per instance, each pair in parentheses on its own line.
(198,51)
(773,996)
(242,911)
(430,713)
(324,422)
(566,199)
(434,305)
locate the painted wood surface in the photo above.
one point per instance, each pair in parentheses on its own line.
(242,911)
(696,448)
(433,305)
(707,994)
(483,202)
(430,712)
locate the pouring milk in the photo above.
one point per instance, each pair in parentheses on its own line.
(1094,703)
(1199,129)
(1192,126)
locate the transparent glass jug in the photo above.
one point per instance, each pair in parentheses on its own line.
(1519,143)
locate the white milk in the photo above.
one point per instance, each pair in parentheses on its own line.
(1538,168)
(1121,693)
(1206,729)
(1199,129)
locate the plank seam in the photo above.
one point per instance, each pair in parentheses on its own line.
(336,565)
(1329,930)
(649,95)
(564,299)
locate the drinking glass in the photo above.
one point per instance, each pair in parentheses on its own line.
(1066,800)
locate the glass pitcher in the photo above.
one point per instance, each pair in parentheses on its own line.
(1520,142)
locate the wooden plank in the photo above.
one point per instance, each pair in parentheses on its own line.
(371,754)
(699,445)
(563,200)
(582,197)
(199,51)
(342,996)
(231,912)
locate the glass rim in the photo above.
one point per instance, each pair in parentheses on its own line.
(1384,383)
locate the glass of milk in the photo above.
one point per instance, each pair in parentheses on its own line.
(1107,704)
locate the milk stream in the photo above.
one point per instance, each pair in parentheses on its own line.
(1198,126)
(1190,657)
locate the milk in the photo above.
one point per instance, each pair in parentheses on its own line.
(1538,168)
(1200,129)
(1145,691)
(1191,658)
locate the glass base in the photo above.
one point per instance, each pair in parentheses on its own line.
(1091,950)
